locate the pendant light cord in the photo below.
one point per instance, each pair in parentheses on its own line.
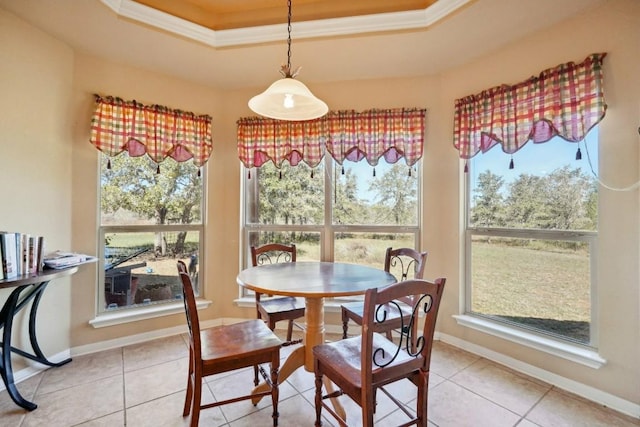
(289,36)
(286,69)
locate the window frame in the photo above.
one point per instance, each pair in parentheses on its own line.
(585,354)
(105,317)
(328,229)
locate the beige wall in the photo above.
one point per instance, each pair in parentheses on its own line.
(35,158)
(68,164)
(612,29)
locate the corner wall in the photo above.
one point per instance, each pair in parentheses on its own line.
(35,160)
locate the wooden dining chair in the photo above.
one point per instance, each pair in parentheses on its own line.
(403,263)
(273,310)
(362,365)
(223,349)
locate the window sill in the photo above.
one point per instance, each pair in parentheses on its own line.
(572,352)
(142,313)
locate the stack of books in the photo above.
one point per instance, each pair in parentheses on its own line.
(21,254)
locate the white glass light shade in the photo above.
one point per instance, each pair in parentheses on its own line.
(288,99)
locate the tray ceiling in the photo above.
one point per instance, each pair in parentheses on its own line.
(230,14)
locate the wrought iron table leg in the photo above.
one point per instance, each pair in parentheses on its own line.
(11,307)
(40,357)
(6,317)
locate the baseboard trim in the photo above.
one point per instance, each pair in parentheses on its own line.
(138,338)
(583,390)
(34,368)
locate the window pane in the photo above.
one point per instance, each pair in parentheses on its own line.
(132,192)
(547,188)
(286,196)
(388,198)
(519,275)
(136,193)
(345,225)
(307,244)
(369,248)
(539,284)
(140,267)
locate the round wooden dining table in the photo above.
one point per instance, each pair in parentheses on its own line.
(314,281)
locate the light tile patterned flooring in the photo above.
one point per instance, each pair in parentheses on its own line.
(144,385)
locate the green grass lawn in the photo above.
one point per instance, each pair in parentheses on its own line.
(357,250)
(138,239)
(542,288)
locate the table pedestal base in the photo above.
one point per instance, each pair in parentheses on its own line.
(303,356)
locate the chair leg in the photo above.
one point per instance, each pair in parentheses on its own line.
(368,408)
(271,324)
(189,396)
(345,325)
(290,330)
(422,401)
(389,335)
(256,380)
(275,391)
(196,401)
(318,399)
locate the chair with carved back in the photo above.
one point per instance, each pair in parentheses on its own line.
(223,349)
(404,263)
(275,309)
(363,365)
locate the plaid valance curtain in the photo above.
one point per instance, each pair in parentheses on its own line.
(347,135)
(160,132)
(565,101)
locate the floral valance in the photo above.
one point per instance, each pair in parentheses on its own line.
(565,101)
(160,132)
(347,135)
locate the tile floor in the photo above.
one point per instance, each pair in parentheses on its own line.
(144,385)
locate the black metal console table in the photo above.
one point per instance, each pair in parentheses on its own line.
(27,288)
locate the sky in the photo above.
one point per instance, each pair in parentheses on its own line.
(364,171)
(538,159)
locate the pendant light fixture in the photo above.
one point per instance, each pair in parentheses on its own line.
(287,98)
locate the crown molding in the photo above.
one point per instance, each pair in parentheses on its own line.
(382,22)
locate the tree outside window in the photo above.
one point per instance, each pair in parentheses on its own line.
(151,216)
(532,231)
(345,213)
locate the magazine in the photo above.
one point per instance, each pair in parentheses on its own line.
(59,259)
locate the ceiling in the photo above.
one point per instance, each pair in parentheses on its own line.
(424,38)
(228,14)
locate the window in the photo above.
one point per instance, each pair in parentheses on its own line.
(531,234)
(330,215)
(531,229)
(150,217)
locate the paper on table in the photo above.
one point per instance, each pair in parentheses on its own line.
(59,259)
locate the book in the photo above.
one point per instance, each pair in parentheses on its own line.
(1,263)
(24,254)
(59,259)
(40,254)
(10,255)
(32,261)
(18,252)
